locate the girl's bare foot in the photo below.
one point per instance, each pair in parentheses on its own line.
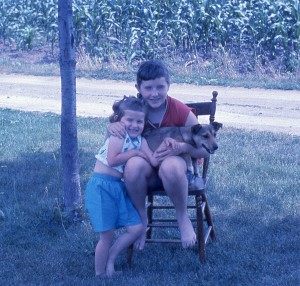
(114,273)
(101,275)
(110,270)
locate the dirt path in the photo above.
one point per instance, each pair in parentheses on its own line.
(260,109)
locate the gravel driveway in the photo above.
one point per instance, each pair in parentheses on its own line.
(260,109)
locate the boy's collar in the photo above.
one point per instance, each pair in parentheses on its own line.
(158,125)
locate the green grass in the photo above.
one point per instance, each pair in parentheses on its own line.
(253,193)
(255,31)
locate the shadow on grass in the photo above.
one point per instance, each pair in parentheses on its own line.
(254,210)
(36,245)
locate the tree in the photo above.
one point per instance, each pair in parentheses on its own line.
(69,142)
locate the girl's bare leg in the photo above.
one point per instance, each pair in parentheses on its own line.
(123,241)
(102,251)
(136,174)
(176,186)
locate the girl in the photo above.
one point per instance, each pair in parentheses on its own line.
(106,200)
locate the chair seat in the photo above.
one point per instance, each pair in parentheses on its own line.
(197,186)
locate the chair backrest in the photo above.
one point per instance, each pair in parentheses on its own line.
(205,108)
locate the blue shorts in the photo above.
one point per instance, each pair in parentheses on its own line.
(108,205)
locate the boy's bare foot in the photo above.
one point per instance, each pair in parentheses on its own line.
(188,235)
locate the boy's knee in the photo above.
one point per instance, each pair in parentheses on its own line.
(174,169)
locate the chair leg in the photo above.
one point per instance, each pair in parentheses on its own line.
(149,215)
(200,230)
(209,218)
(202,213)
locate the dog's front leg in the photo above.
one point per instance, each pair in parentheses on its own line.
(195,164)
(189,164)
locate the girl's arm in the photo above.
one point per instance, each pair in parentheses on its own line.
(148,152)
(115,156)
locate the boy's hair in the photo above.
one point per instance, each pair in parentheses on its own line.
(150,70)
(127,103)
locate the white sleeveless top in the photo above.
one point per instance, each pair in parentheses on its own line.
(129,144)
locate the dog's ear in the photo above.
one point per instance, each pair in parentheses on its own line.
(217,125)
(196,128)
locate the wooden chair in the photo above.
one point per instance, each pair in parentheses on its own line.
(199,208)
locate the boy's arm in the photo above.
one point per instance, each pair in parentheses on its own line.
(115,156)
(191,119)
(116,129)
(183,147)
(192,151)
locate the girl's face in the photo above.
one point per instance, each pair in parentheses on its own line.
(154,92)
(134,122)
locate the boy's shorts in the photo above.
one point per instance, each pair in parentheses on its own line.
(108,205)
(154,182)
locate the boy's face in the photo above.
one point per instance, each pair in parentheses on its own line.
(134,122)
(154,92)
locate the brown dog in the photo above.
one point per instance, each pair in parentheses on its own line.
(199,135)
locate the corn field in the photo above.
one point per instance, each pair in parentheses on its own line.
(257,30)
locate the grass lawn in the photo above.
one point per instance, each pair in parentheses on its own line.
(253,193)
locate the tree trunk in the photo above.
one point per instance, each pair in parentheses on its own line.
(69,144)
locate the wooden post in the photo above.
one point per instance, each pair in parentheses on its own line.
(69,145)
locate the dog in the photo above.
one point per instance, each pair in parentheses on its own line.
(199,136)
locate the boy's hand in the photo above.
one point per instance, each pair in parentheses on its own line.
(117,129)
(169,147)
(172,143)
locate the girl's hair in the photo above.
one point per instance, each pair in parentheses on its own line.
(127,103)
(150,70)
